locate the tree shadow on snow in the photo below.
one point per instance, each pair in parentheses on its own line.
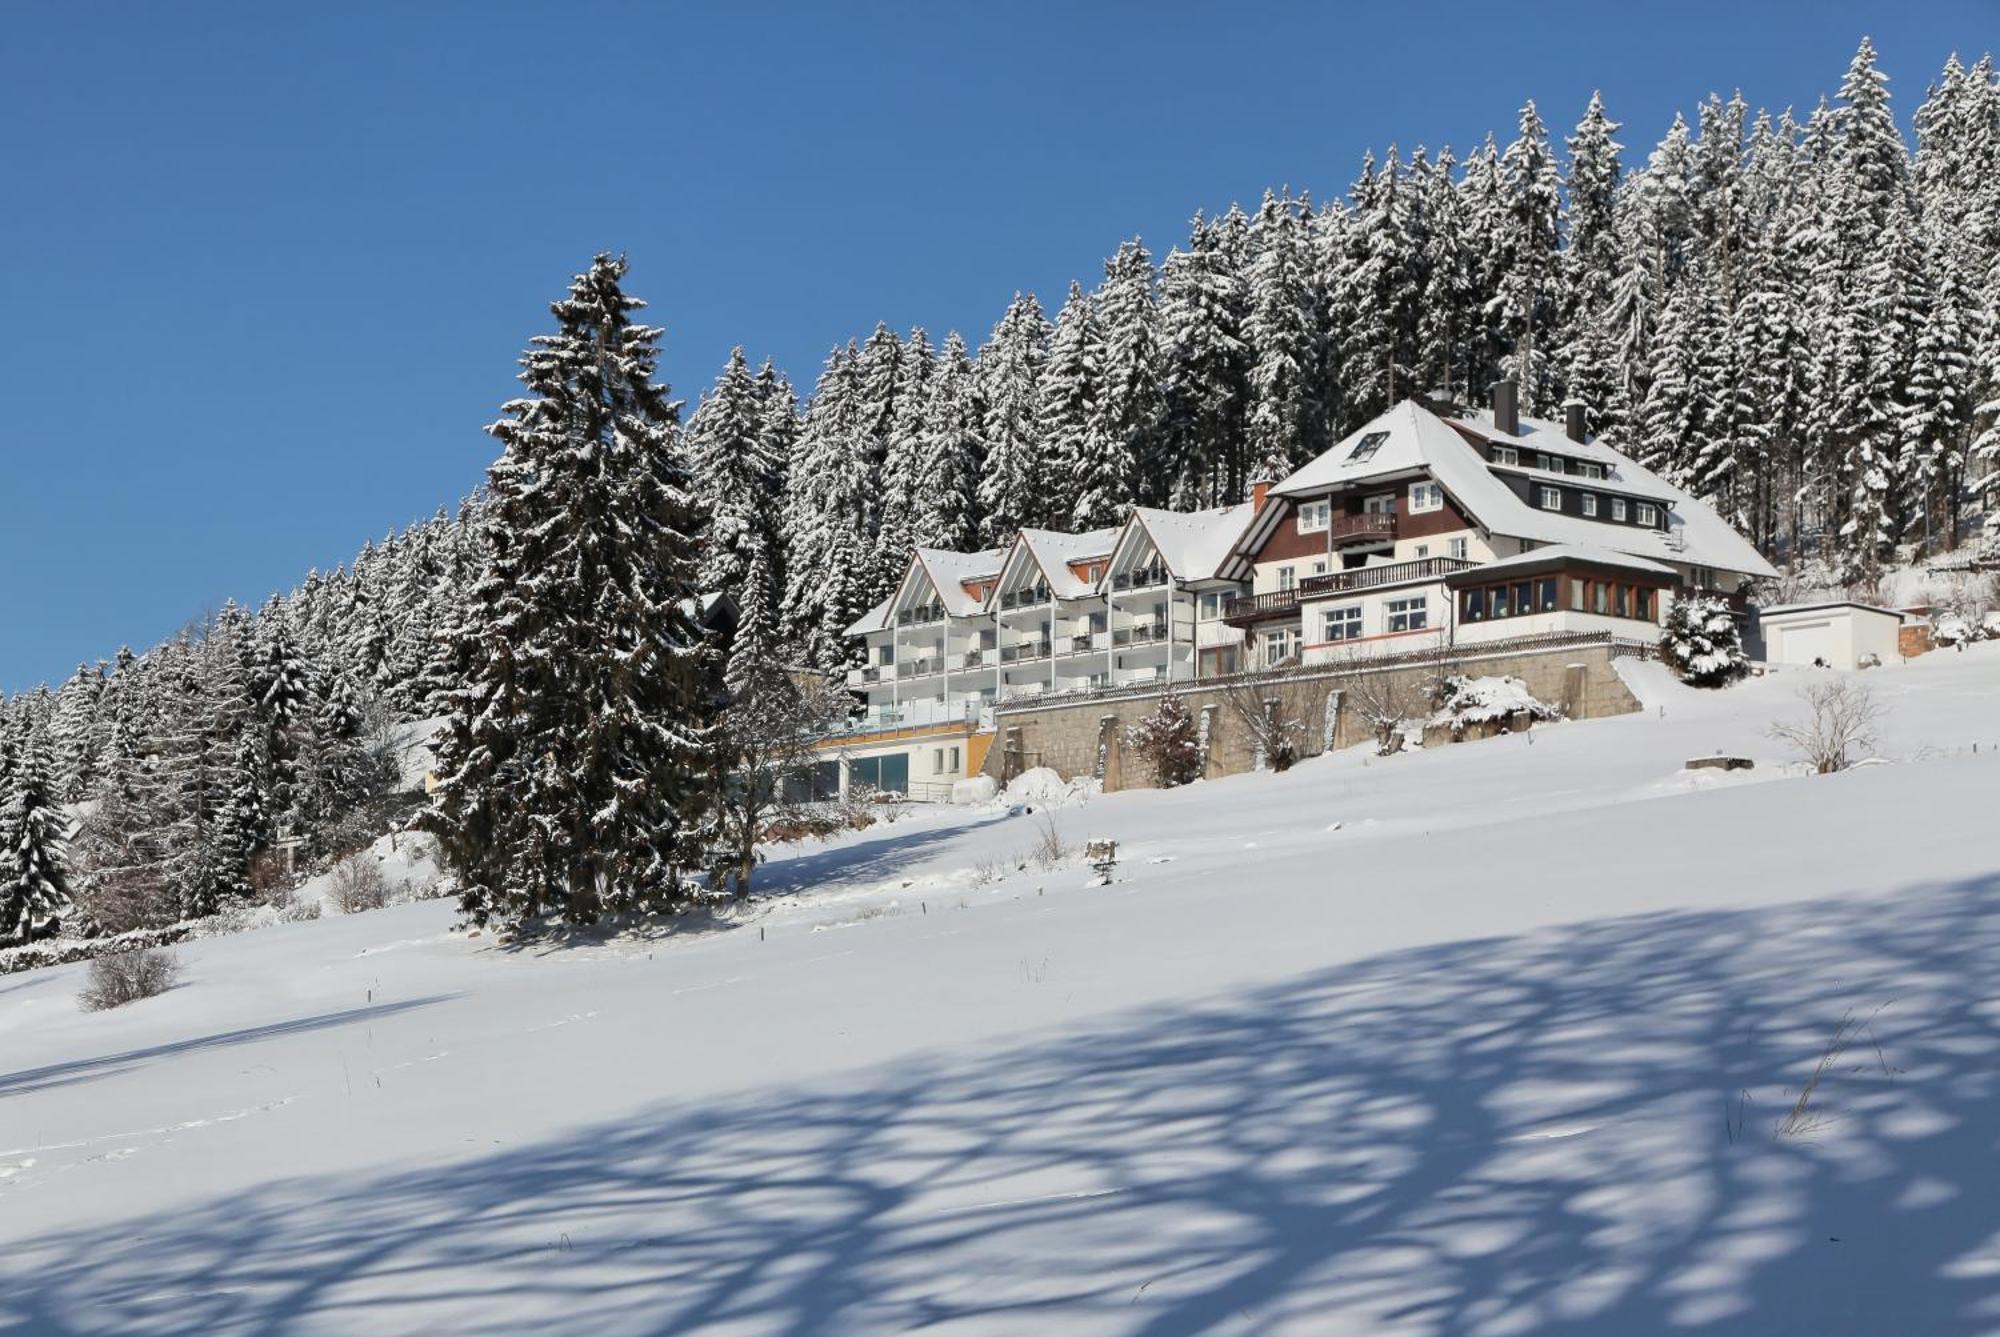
(110,1065)
(1548,1133)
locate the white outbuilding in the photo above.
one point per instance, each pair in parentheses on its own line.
(1837,633)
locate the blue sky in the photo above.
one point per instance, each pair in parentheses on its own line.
(265,269)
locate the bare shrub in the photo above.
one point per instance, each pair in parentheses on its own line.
(1844,717)
(1050,850)
(1272,713)
(117,978)
(1805,1117)
(358,885)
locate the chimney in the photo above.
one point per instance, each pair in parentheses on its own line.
(1260,491)
(1573,427)
(1507,407)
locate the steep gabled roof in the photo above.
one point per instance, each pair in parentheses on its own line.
(1193,544)
(950,571)
(1052,552)
(1416,438)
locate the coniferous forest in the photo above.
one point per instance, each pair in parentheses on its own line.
(1791,313)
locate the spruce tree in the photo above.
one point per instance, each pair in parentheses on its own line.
(1010,369)
(1205,387)
(1081,461)
(572,763)
(954,453)
(34,864)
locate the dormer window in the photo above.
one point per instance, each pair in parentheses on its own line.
(1618,509)
(1506,455)
(1314,516)
(1649,515)
(1426,497)
(1552,499)
(1364,449)
(1591,470)
(1549,464)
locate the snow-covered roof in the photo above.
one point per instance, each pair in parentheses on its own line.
(875,619)
(1413,437)
(950,570)
(1194,544)
(1053,551)
(1567,554)
(1828,606)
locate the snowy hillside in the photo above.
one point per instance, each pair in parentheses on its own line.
(1493,1038)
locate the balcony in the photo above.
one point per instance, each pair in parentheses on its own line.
(1025,652)
(973,659)
(1144,633)
(1391,573)
(1368,527)
(1149,578)
(920,617)
(1023,599)
(1083,643)
(866,674)
(916,668)
(1243,609)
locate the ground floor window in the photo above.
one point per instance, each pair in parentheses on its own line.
(944,761)
(1279,646)
(1519,599)
(1344,623)
(1411,614)
(890,774)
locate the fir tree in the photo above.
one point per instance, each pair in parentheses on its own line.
(34,865)
(954,454)
(570,768)
(1017,459)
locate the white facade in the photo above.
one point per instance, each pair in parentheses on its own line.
(1837,634)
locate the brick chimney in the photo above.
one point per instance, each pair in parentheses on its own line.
(1507,407)
(1573,424)
(1260,492)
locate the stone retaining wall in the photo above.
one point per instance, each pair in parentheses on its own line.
(1315,710)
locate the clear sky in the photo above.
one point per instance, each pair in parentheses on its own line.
(265,268)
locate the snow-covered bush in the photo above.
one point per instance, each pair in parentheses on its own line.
(1701,643)
(1464,702)
(117,978)
(357,884)
(1843,720)
(1168,741)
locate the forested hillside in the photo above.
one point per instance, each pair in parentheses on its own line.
(1791,313)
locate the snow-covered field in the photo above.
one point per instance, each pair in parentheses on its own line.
(1488,1039)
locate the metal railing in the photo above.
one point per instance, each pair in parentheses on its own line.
(1143,579)
(1145,633)
(1023,599)
(920,617)
(1024,652)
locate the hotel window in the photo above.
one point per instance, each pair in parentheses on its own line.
(1702,577)
(1642,604)
(1421,550)
(1545,462)
(1279,646)
(1411,614)
(1211,606)
(1475,606)
(1364,449)
(1590,470)
(1455,548)
(1506,455)
(1618,508)
(1576,593)
(885,653)
(1343,624)
(1545,595)
(1500,605)
(1314,516)
(1648,516)
(1288,578)
(1426,497)
(1552,499)
(1600,601)
(1590,505)
(1618,601)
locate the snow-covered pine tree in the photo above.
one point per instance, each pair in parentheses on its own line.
(571,766)
(34,864)
(1168,742)
(1279,329)
(827,509)
(1528,237)
(1446,313)
(1010,367)
(954,453)
(1081,462)
(733,479)
(1131,406)
(1590,262)
(1202,309)
(901,480)
(73,734)
(1701,643)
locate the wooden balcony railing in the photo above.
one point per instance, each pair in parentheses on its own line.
(1368,527)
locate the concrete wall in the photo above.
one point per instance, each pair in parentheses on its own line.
(1323,709)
